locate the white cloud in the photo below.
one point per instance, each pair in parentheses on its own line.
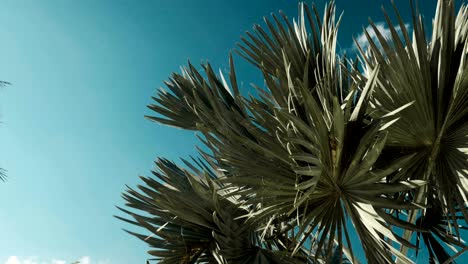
(85,260)
(26,260)
(37,260)
(12,260)
(361,39)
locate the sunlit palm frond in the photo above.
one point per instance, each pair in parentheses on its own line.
(434,75)
(239,142)
(189,222)
(194,100)
(269,159)
(338,178)
(177,212)
(323,140)
(304,44)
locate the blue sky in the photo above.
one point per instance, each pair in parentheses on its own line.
(73,133)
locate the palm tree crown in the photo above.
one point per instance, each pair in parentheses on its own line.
(329,149)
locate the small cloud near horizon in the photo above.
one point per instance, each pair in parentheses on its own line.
(37,260)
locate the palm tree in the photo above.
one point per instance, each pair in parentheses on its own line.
(329,153)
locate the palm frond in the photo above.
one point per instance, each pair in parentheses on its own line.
(193,100)
(438,232)
(189,222)
(177,212)
(432,74)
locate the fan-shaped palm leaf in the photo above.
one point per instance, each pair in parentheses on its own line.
(434,75)
(190,223)
(333,172)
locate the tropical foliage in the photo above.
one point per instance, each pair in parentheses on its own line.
(329,152)
(3,175)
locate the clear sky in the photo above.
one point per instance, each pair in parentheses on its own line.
(73,133)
